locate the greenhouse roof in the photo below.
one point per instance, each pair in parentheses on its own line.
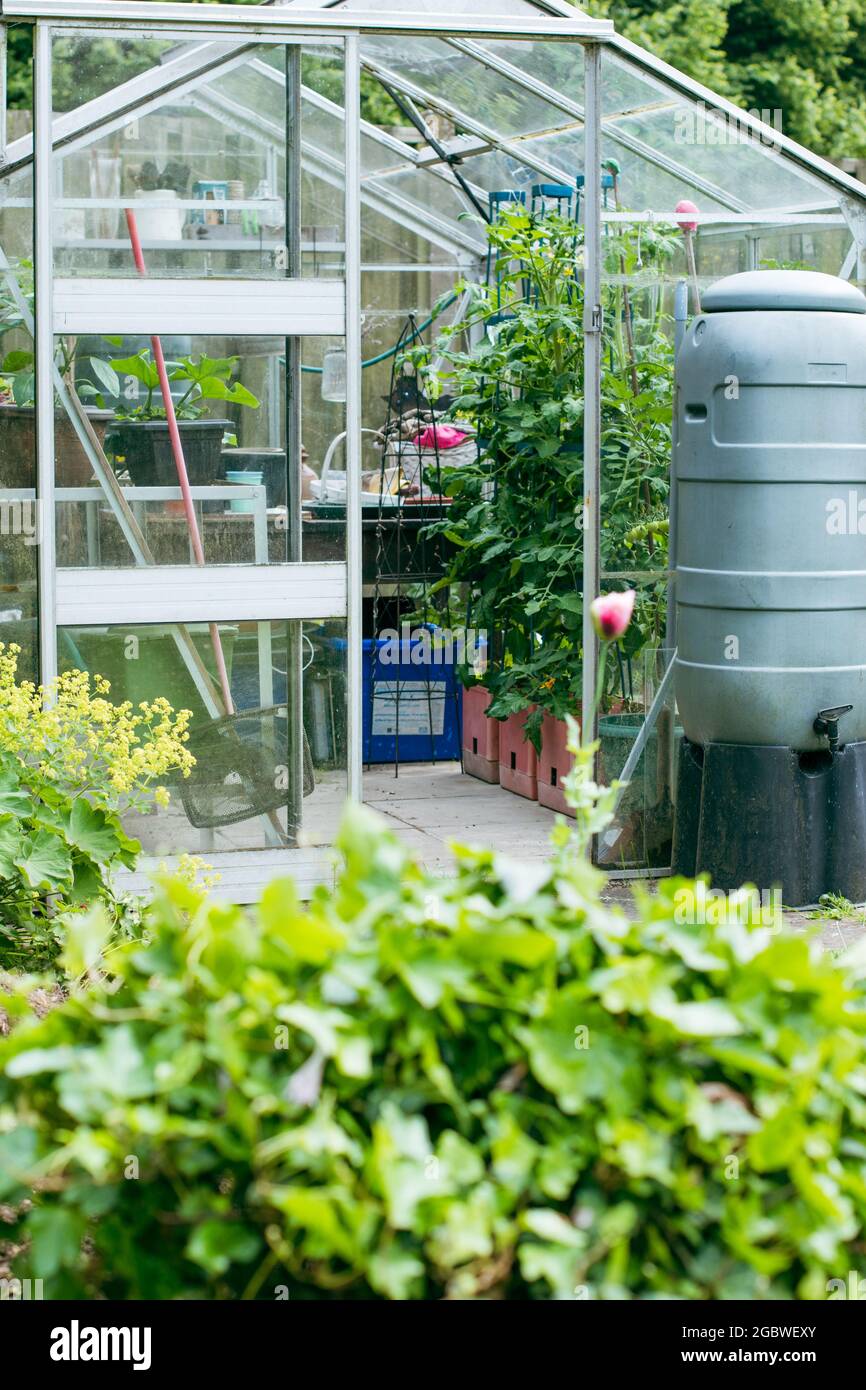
(512,112)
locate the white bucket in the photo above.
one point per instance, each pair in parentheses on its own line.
(159,223)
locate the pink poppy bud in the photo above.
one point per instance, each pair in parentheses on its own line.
(611,614)
(684,205)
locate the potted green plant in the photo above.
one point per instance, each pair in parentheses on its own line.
(18,429)
(18,393)
(515,519)
(139,436)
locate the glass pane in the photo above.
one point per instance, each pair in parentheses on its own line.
(19,514)
(230,397)
(422,199)
(641,834)
(465,83)
(558,65)
(749,174)
(192,139)
(87,66)
(271,773)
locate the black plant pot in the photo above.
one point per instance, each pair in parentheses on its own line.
(144,446)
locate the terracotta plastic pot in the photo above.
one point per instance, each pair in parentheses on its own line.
(554,765)
(518,762)
(480,736)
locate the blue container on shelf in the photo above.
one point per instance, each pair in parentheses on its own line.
(407,691)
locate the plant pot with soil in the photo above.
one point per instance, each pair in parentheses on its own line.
(143,448)
(18,446)
(139,439)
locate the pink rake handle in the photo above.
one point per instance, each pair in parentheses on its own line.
(180,464)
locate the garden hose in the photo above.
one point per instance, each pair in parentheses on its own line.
(391,351)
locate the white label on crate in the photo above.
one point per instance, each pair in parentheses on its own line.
(418,703)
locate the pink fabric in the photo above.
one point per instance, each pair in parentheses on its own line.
(443,436)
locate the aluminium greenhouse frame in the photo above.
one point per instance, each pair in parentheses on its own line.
(287,306)
(295,306)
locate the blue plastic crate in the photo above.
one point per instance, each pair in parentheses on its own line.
(422,693)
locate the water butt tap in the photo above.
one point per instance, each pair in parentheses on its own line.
(827,722)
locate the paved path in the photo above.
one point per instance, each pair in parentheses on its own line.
(429,804)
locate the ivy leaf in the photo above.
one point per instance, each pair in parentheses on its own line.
(215,1245)
(396,1272)
(307,937)
(86,937)
(56,1234)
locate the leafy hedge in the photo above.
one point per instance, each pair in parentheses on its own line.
(486,1086)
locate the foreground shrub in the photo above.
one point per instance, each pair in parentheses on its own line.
(485,1086)
(69,761)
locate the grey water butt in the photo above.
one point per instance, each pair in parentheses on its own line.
(770,584)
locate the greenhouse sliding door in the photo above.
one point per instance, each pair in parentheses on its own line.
(190,269)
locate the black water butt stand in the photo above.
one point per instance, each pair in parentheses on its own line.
(773,817)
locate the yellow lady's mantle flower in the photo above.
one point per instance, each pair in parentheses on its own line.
(72,734)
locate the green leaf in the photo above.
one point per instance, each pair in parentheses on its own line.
(395,1272)
(140,367)
(239,395)
(24,388)
(105,375)
(576,1053)
(707,1018)
(92,831)
(56,1234)
(41,1059)
(307,937)
(19,1151)
(87,935)
(215,1245)
(16,361)
(44,862)
(11,844)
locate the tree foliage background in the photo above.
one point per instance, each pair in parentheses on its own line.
(804,58)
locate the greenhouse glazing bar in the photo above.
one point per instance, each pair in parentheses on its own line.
(279,20)
(354,670)
(43,247)
(592,347)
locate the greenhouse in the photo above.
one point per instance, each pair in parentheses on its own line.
(282,444)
